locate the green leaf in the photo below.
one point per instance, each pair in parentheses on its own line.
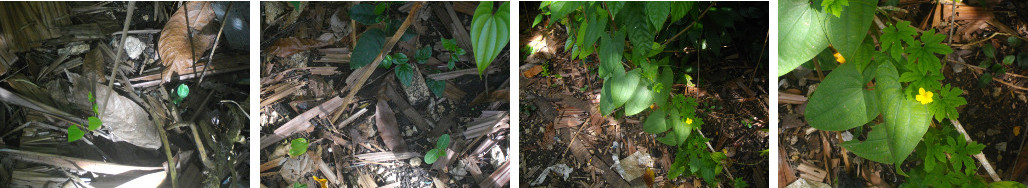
(298,147)
(74,133)
(657,11)
(368,47)
(596,23)
(538,18)
(639,32)
(945,105)
(489,33)
(614,7)
(438,87)
(834,7)
(404,73)
(656,123)
(989,51)
(624,86)
(681,129)
(182,91)
(679,9)
(905,122)
(94,123)
(666,79)
(606,103)
(449,44)
(1008,60)
(925,54)
(559,9)
(841,102)
(380,8)
(400,58)
(432,156)
(1006,184)
(640,100)
(423,54)
(802,28)
(1022,60)
(610,54)
(365,14)
(894,35)
(1013,41)
(442,142)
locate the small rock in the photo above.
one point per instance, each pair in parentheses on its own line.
(459,172)
(415,162)
(74,48)
(417,92)
(847,136)
(992,132)
(996,91)
(1002,146)
(133,47)
(635,165)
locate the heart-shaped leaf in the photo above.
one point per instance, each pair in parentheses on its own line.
(905,122)
(656,123)
(802,30)
(368,47)
(639,101)
(74,133)
(606,103)
(489,32)
(298,147)
(841,102)
(94,123)
(623,86)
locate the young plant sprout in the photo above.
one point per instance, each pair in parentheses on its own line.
(439,150)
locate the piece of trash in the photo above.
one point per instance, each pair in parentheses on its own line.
(134,47)
(847,136)
(634,165)
(804,183)
(498,158)
(561,169)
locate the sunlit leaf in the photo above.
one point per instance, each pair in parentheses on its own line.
(489,33)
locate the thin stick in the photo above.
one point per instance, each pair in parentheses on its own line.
(690,25)
(980,156)
(727,172)
(210,59)
(117,59)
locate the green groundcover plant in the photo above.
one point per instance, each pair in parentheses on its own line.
(638,77)
(896,89)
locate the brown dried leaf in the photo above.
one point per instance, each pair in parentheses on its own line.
(175,44)
(286,47)
(385,120)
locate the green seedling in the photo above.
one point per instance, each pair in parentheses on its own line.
(439,150)
(298,147)
(455,52)
(180,93)
(75,133)
(438,87)
(299,185)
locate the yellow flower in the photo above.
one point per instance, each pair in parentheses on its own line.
(839,58)
(321,181)
(688,121)
(923,96)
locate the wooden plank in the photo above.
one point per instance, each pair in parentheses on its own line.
(301,122)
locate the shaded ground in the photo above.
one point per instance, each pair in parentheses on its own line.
(350,149)
(993,115)
(560,122)
(63,52)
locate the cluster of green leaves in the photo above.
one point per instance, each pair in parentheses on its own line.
(455,52)
(298,147)
(490,32)
(993,67)
(404,71)
(75,133)
(901,81)
(947,161)
(693,159)
(624,34)
(440,149)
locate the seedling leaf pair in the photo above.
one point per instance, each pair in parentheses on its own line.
(439,150)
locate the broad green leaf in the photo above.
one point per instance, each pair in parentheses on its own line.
(681,129)
(423,54)
(559,9)
(615,7)
(74,133)
(989,51)
(432,156)
(1008,60)
(298,147)
(666,79)
(657,11)
(1006,184)
(841,101)
(639,32)
(365,14)
(610,54)
(443,142)
(606,103)
(404,73)
(94,123)
(679,9)
(905,122)
(802,31)
(368,47)
(641,100)
(834,6)
(656,123)
(438,87)
(597,23)
(538,18)
(489,33)
(623,86)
